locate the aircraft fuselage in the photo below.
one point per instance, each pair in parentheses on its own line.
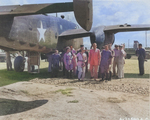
(32,32)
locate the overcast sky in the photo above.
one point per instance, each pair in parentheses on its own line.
(109,12)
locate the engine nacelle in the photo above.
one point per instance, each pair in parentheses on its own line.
(109,38)
(100,37)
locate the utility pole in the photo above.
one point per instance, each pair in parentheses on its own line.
(128,42)
(56,14)
(145,38)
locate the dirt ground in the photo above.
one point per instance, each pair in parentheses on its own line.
(40,99)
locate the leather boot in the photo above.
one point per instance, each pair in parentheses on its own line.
(110,74)
(67,73)
(70,74)
(107,76)
(102,76)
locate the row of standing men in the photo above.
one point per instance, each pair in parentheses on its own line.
(76,63)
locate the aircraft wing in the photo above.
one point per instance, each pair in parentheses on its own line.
(75,33)
(126,28)
(18,10)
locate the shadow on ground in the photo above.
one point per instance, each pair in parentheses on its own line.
(8,106)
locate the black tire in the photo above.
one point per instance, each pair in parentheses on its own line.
(128,56)
(2,59)
(19,64)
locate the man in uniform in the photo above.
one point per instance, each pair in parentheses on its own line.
(62,60)
(140,52)
(82,58)
(68,61)
(87,54)
(94,61)
(115,62)
(49,59)
(55,63)
(73,52)
(81,48)
(121,62)
(110,61)
(105,62)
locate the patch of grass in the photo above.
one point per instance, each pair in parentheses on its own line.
(9,77)
(66,91)
(115,100)
(25,92)
(134,75)
(131,66)
(74,101)
(131,69)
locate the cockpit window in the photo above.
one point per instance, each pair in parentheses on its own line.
(65,25)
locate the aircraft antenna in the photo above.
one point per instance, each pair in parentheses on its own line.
(62,16)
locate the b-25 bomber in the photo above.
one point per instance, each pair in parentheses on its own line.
(29,28)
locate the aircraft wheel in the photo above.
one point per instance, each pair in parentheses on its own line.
(128,56)
(19,64)
(2,59)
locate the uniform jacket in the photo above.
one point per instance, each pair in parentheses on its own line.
(94,57)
